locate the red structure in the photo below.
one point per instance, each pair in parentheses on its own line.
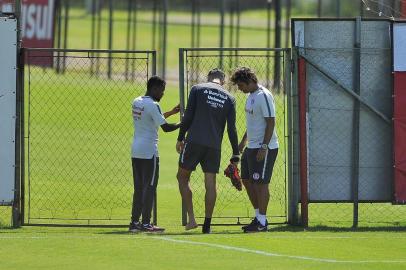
(399,112)
(37,24)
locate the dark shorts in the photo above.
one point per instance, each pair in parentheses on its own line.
(193,154)
(258,172)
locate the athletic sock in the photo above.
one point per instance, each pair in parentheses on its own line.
(262,219)
(206,225)
(256,212)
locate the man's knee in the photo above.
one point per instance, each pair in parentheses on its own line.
(183,176)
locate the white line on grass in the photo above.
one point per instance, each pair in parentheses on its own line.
(264,253)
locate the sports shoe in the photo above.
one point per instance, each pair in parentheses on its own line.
(135,227)
(253,222)
(151,228)
(256,228)
(233,173)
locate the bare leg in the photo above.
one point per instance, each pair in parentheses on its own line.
(211,193)
(262,192)
(252,195)
(186,193)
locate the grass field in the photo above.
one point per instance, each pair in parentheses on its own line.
(79,186)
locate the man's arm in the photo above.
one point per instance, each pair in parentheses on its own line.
(243,142)
(170,127)
(270,125)
(175,110)
(232,133)
(188,116)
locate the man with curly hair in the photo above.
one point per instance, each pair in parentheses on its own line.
(260,154)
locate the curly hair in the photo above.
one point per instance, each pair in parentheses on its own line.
(244,75)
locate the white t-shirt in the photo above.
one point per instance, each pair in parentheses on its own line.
(147,118)
(260,104)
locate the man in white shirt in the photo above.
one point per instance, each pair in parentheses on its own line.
(260,154)
(147,118)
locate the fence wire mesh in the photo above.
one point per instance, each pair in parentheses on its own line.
(79,132)
(335,153)
(5,216)
(233,206)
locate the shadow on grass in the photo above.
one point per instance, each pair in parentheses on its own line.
(194,233)
(322,228)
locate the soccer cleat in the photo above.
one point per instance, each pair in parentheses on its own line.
(135,227)
(253,222)
(152,228)
(233,173)
(254,228)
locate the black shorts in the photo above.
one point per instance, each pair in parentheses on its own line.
(258,172)
(193,154)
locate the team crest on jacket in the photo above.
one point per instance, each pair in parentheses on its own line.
(255,176)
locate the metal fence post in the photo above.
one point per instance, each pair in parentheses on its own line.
(221,45)
(110,38)
(182,110)
(19,136)
(356,126)
(277,71)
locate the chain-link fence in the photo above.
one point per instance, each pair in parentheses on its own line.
(6,216)
(232,206)
(78,134)
(349,137)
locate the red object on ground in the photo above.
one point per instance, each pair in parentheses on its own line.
(303,140)
(400,135)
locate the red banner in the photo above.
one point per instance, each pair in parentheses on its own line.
(37,24)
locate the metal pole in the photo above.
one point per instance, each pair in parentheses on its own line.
(199,23)
(277,70)
(287,22)
(338,8)
(65,34)
(182,110)
(221,44)
(128,37)
(19,136)
(319,5)
(98,33)
(154,24)
(231,33)
(93,33)
(237,31)
(110,38)
(134,37)
(193,23)
(356,125)
(268,42)
(164,38)
(59,34)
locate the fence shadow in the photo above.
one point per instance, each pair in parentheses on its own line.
(323,228)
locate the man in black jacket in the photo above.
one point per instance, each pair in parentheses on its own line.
(208,109)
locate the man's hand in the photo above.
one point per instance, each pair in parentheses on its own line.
(179,146)
(176,109)
(261,154)
(241,146)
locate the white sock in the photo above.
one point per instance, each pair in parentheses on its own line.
(256,213)
(262,219)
